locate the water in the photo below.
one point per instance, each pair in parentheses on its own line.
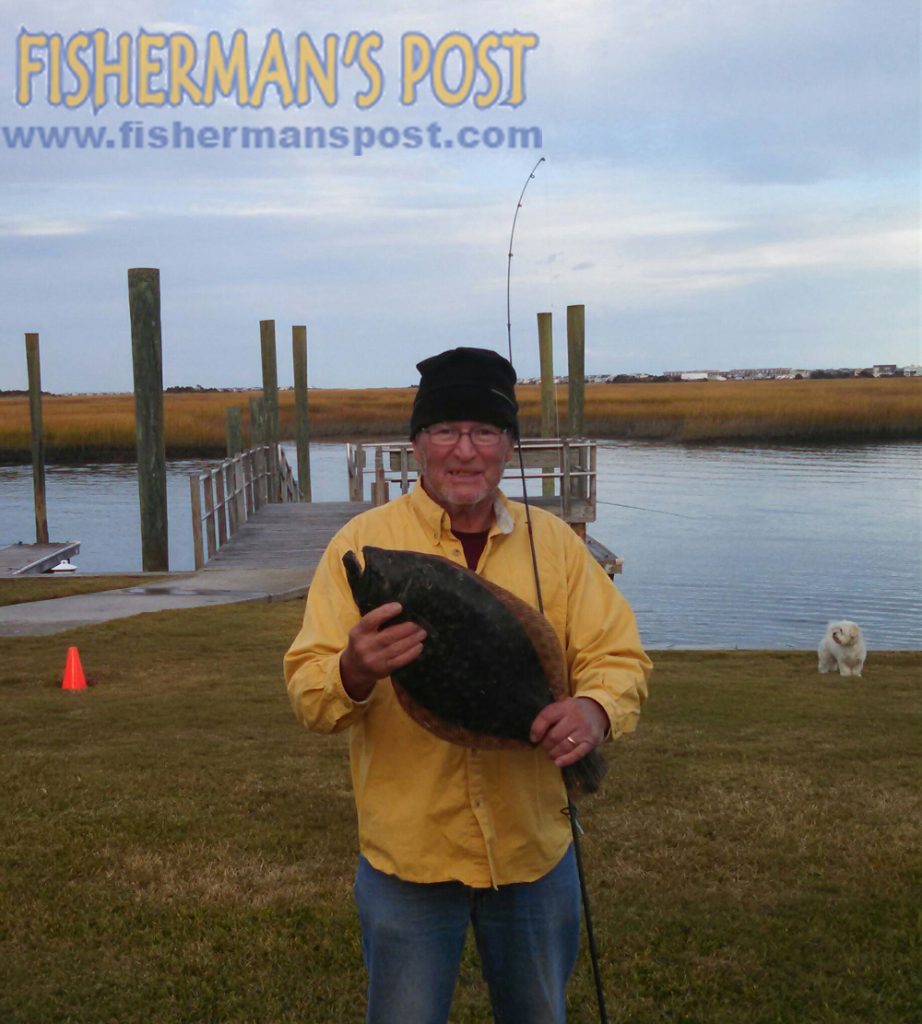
(723,546)
(761,547)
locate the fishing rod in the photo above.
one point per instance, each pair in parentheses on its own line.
(571,812)
(518,436)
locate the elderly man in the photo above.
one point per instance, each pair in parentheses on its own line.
(452,837)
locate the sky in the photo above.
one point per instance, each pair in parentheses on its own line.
(725,184)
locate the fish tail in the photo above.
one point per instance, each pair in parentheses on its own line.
(353,572)
(585,776)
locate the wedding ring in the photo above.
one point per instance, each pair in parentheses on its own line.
(573,741)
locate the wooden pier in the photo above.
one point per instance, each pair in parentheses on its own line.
(565,470)
(248,521)
(288,536)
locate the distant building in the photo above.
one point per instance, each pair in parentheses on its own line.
(702,375)
(743,374)
(884,370)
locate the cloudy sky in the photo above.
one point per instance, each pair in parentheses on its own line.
(726,183)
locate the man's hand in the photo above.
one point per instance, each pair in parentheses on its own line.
(374,652)
(568,729)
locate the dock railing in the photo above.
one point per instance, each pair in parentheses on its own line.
(224,498)
(562,469)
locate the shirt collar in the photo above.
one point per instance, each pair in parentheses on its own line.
(436,519)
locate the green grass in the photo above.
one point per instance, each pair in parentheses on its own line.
(44,588)
(177,849)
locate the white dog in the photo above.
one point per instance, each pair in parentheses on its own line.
(842,648)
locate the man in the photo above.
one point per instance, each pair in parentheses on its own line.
(452,837)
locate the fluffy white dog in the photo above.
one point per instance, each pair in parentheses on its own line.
(842,648)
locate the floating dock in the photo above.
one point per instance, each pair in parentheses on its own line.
(34,559)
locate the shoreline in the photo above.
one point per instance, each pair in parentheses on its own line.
(83,429)
(34,589)
(85,455)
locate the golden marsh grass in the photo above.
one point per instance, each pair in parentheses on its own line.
(84,428)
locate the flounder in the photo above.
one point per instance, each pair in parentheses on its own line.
(490,662)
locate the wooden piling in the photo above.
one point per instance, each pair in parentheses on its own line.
(379,487)
(211,539)
(576,392)
(234,431)
(302,423)
(546,354)
(198,550)
(33,364)
(257,422)
(271,400)
(146,352)
(576,368)
(220,505)
(270,379)
(548,393)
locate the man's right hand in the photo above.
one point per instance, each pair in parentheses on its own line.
(374,652)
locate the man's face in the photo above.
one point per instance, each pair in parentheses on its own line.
(462,475)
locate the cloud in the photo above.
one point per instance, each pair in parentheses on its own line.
(718,174)
(43,228)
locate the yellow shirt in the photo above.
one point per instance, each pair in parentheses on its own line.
(432,811)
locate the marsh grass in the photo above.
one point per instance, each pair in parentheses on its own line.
(177,849)
(100,427)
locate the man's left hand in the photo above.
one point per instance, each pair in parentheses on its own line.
(568,729)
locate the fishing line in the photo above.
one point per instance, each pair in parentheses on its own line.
(518,437)
(641,508)
(575,827)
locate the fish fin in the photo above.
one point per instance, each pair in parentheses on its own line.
(451,733)
(585,776)
(401,598)
(353,572)
(431,631)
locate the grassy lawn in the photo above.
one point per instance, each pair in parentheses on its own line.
(177,849)
(44,588)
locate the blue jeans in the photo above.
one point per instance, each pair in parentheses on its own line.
(413,936)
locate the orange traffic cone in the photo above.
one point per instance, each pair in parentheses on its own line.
(74,679)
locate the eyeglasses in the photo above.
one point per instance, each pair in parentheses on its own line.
(443,435)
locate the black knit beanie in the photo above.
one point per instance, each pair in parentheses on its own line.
(465,384)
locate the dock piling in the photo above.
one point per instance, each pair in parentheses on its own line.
(33,363)
(234,431)
(576,388)
(576,368)
(548,403)
(147,359)
(271,399)
(302,422)
(257,422)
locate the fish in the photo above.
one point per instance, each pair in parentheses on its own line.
(490,661)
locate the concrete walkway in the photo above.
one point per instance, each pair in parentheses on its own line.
(36,618)
(271,558)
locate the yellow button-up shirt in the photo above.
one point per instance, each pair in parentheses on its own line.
(432,811)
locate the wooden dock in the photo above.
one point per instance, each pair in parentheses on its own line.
(292,535)
(271,557)
(34,559)
(247,516)
(286,541)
